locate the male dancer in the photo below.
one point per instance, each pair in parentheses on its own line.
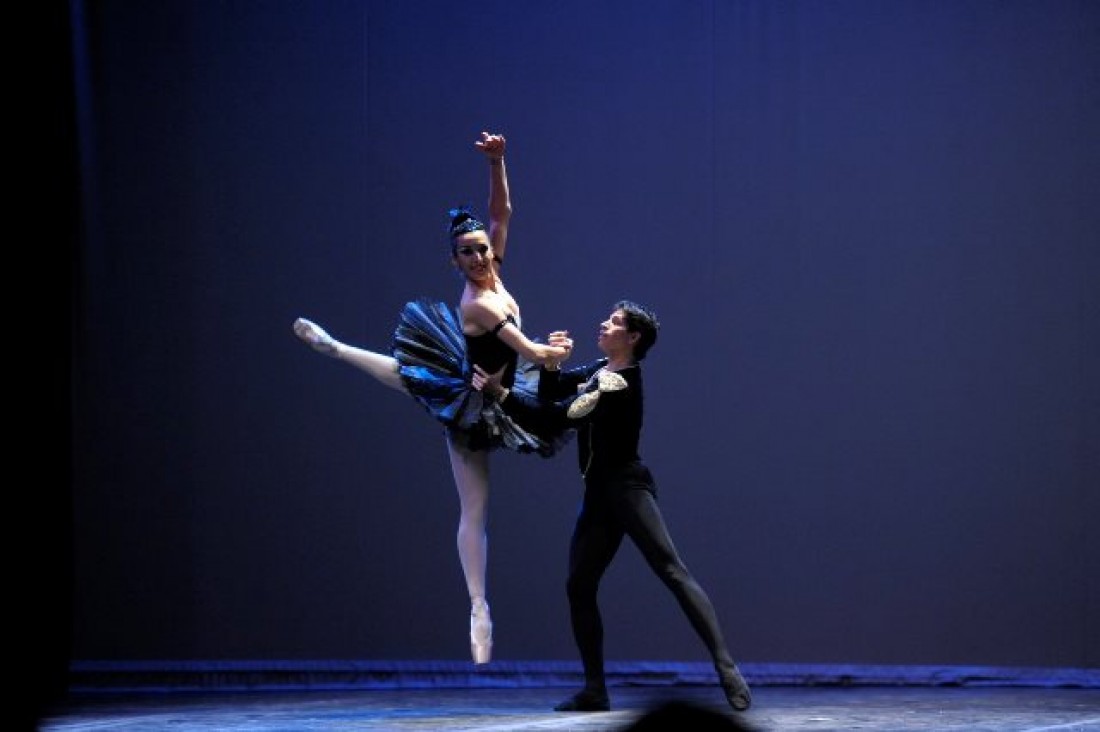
(603,401)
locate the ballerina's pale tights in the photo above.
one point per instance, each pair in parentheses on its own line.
(470,469)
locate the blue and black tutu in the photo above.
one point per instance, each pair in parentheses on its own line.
(431,352)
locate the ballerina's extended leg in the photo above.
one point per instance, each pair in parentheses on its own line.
(379,365)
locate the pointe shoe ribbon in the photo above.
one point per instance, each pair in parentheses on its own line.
(586,402)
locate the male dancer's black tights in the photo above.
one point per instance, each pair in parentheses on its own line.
(609,512)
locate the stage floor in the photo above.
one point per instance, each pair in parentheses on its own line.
(775,708)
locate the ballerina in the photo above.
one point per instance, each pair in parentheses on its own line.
(432,353)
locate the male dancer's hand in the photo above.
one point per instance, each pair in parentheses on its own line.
(561,339)
(488,384)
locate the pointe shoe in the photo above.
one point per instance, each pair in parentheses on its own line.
(481,631)
(585,700)
(316,337)
(736,689)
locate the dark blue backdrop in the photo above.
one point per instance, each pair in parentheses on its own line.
(871,231)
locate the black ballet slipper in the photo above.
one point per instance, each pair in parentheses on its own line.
(736,689)
(585,701)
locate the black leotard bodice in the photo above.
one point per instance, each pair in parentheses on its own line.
(491,353)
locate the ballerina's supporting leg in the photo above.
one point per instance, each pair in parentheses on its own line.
(471,475)
(382,367)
